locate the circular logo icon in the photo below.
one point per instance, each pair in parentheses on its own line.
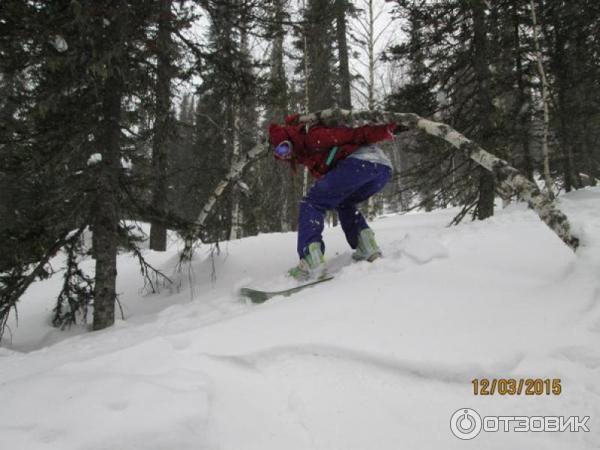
(465,423)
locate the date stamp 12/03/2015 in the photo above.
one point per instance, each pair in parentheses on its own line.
(516,386)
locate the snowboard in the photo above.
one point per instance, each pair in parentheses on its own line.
(258,296)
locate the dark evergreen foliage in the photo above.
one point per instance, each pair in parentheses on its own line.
(472,64)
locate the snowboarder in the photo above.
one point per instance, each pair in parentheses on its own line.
(349,169)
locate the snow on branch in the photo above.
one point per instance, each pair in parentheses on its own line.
(508,178)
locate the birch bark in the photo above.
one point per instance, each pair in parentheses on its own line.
(509,178)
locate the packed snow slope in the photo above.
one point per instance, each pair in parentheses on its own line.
(378,358)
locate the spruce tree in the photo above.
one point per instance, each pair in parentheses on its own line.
(456,50)
(319,32)
(85,73)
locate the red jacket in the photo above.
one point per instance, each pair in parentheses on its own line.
(312,148)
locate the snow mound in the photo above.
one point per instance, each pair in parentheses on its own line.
(421,249)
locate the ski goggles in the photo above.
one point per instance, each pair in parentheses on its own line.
(283,150)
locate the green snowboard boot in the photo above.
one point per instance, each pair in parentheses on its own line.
(367,249)
(312,266)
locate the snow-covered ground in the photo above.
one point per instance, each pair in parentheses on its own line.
(378,358)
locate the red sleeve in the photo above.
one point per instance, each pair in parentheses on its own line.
(320,137)
(370,134)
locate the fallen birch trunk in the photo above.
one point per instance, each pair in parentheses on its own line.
(234,174)
(509,178)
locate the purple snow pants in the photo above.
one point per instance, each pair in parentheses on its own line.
(352,181)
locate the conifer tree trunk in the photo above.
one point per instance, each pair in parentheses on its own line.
(106,219)
(158,230)
(341,8)
(523,98)
(319,53)
(485,205)
(278,89)
(561,77)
